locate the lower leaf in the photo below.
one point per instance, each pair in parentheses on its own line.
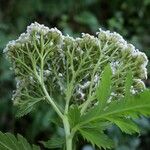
(126,125)
(96,137)
(54,142)
(9,142)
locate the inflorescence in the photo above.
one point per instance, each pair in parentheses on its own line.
(74,65)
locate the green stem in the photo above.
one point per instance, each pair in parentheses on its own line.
(48,96)
(67,133)
(52,102)
(69,93)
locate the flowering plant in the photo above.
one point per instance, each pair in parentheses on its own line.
(98,80)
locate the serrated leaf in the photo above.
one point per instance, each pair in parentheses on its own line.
(54,142)
(92,113)
(126,125)
(104,89)
(96,137)
(23,143)
(133,106)
(103,125)
(26,107)
(9,142)
(74,115)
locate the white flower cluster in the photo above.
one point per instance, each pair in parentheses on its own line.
(26,37)
(65,55)
(127,54)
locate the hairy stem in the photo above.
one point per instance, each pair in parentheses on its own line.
(52,102)
(67,133)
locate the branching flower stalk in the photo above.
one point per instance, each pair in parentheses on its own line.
(47,63)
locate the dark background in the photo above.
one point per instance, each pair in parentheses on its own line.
(130,18)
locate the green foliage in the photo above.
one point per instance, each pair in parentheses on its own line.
(87,18)
(9,142)
(54,142)
(74,115)
(26,106)
(121,113)
(125,17)
(133,106)
(126,125)
(37,56)
(96,137)
(104,89)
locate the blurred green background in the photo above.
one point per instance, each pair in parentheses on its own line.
(130,18)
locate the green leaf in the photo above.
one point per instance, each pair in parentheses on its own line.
(104,89)
(88,116)
(133,107)
(88,19)
(103,125)
(26,106)
(9,142)
(96,137)
(74,115)
(54,142)
(126,125)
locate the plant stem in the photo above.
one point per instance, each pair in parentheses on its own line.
(52,102)
(48,96)
(67,133)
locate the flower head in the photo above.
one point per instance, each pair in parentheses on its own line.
(67,64)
